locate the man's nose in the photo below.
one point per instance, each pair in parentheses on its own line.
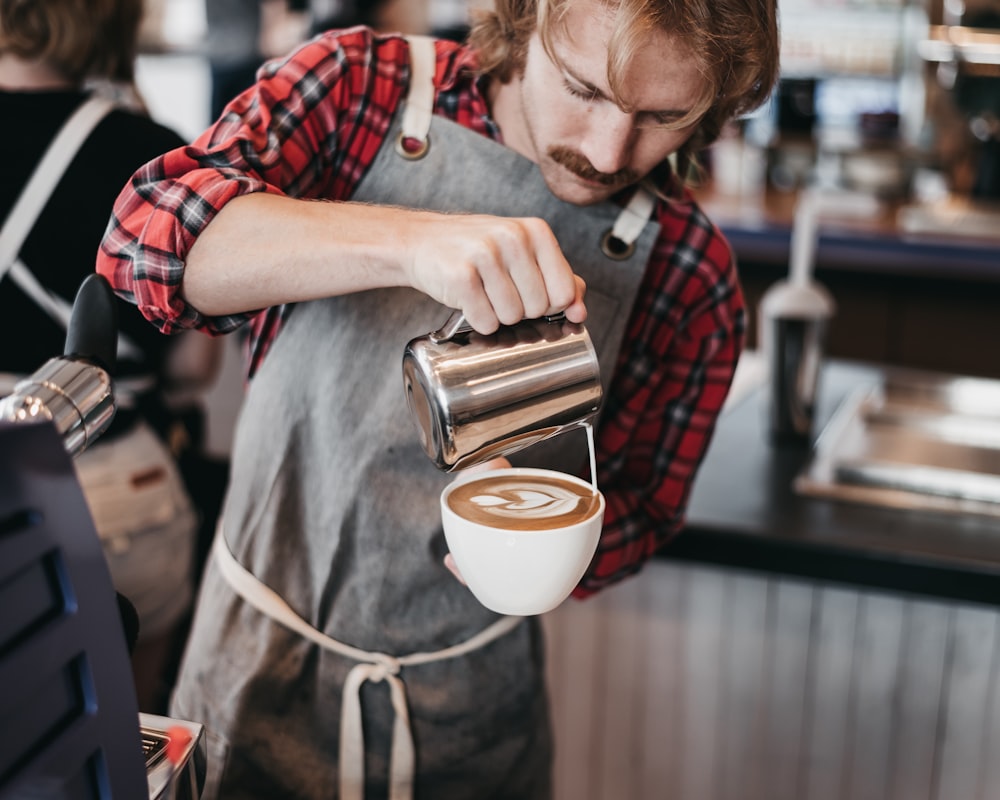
(609,140)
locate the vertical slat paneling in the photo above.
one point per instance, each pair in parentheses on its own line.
(918,697)
(828,706)
(965,712)
(703,676)
(790,614)
(989,783)
(692,683)
(574,671)
(666,591)
(876,669)
(744,648)
(628,659)
(595,757)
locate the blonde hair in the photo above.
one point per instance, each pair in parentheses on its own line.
(734,42)
(80,38)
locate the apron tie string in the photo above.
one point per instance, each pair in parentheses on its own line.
(402,758)
(372,666)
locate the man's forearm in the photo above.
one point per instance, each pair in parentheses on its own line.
(263,250)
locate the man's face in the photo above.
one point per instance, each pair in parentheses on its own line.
(563,117)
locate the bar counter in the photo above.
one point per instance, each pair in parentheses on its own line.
(745,513)
(953,238)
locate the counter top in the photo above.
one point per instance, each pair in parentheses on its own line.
(744,512)
(951,238)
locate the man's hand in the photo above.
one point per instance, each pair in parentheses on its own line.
(496,270)
(493,463)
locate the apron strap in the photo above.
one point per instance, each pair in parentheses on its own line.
(61,311)
(414,138)
(618,243)
(44,179)
(634,216)
(373,666)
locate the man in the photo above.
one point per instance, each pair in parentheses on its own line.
(331,646)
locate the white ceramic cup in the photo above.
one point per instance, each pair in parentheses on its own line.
(522,571)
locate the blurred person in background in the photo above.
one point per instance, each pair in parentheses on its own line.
(241,34)
(232,47)
(74,132)
(366,185)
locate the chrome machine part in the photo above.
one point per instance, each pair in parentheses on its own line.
(74,391)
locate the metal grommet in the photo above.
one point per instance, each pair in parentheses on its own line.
(412,149)
(616,249)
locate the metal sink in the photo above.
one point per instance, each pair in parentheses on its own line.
(917,441)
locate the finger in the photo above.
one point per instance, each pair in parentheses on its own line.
(505,263)
(521,260)
(449,562)
(469,296)
(577,310)
(563,287)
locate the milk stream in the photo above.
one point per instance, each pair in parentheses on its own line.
(593,455)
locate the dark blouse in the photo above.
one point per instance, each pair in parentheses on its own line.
(62,247)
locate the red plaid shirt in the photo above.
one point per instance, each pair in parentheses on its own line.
(310,127)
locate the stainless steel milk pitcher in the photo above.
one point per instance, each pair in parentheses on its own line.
(474,397)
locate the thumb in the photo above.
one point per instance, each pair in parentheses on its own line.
(449,562)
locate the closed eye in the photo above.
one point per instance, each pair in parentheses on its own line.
(588,93)
(662,119)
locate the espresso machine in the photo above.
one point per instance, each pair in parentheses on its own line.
(69,721)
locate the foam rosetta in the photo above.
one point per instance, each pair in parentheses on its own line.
(523,502)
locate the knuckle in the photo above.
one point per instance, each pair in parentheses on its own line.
(511,315)
(562,294)
(535,307)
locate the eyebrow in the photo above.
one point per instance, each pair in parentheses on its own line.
(598,92)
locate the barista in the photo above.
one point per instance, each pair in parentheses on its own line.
(331,646)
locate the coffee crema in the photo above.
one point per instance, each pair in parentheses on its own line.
(523,502)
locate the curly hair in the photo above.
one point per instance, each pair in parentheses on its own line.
(80,38)
(735,44)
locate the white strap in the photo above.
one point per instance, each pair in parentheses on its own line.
(633,218)
(32,200)
(46,176)
(402,759)
(60,310)
(374,667)
(416,122)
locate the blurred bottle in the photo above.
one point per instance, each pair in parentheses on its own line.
(794,318)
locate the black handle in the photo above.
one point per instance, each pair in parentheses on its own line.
(93,325)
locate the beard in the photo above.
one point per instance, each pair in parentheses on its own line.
(582,168)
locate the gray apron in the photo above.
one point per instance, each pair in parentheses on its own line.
(333,514)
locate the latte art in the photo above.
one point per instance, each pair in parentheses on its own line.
(523,502)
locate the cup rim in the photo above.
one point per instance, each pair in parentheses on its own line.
(470,475)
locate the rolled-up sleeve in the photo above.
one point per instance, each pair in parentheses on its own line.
(298,132)
(684,339)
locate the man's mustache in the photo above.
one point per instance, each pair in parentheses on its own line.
(580,166)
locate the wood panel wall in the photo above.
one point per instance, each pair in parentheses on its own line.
(698,683)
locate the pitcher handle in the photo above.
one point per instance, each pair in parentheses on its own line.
(456,324)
